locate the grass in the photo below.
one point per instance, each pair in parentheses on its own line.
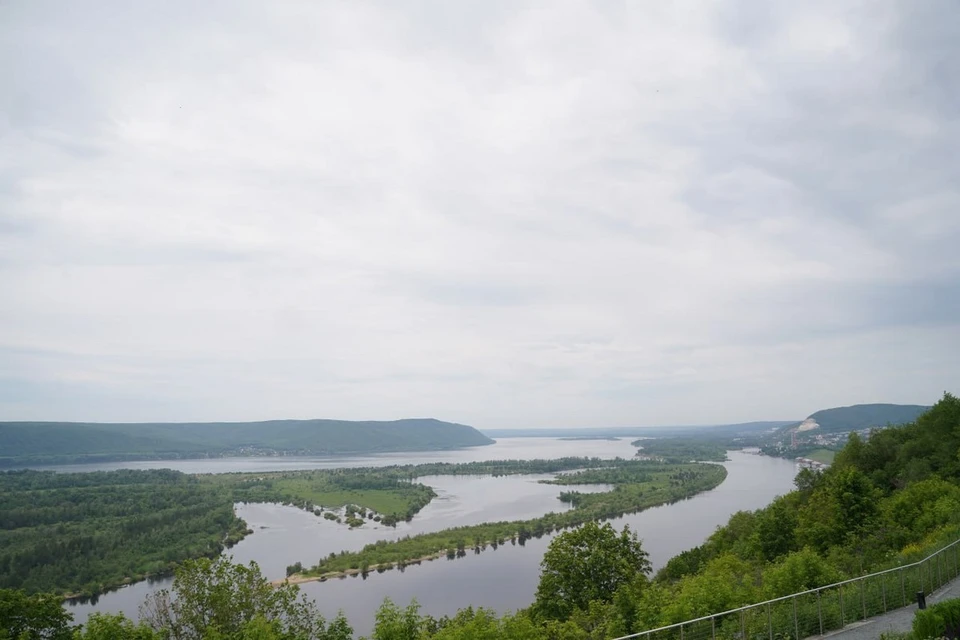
(825,456)
(311,490)
(396,501)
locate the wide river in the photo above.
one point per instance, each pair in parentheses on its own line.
(503,579)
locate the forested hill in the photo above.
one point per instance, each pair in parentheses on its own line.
(34,443)
(865,416)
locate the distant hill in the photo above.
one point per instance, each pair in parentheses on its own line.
(36,443)
(865,416)
(636,432)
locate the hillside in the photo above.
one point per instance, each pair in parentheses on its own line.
(636,432)
(827,429)
(865,416)
(23,443)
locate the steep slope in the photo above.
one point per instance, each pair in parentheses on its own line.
(62,442)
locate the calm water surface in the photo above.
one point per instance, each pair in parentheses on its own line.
(502,449)
(503,579)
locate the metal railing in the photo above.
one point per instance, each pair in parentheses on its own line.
(817,611)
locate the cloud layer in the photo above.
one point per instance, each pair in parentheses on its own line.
(501,213)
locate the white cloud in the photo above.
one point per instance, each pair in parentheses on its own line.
(506,215)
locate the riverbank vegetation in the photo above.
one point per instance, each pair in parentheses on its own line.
(637,485)
(83,533)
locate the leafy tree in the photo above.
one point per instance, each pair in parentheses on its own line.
(102,626)
(394,623)
(221,600)
(843,508)
(586,564)
(32,617)
(799,571)
(807,480)
(726,582)
(775,527)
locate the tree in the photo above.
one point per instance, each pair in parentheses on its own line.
(586,564)
(33,617)
(394,623)
(775,527)
(114,627)
(218,599)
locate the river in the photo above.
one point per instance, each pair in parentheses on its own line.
(503,579)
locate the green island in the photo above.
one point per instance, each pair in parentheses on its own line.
(681,449)
(637,485)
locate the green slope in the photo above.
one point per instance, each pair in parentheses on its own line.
(865,416)
(64,442)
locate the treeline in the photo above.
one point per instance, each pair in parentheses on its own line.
(82,533)
(638,484)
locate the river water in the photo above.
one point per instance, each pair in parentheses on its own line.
(503,579)
(502,449)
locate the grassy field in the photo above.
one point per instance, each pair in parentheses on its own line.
(822,455)
(322,489)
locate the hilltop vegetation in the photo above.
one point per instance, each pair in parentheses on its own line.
(865,416)
(39,443)
(832,426)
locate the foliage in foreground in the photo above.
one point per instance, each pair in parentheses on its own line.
(941,620)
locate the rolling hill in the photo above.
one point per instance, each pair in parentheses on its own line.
(36,443)
(865,416)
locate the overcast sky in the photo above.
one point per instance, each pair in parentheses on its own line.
(504,214)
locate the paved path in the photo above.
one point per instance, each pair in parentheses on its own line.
(897,621)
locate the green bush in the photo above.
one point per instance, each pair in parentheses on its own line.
(938,621)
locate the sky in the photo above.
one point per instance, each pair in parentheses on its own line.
(499,213)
